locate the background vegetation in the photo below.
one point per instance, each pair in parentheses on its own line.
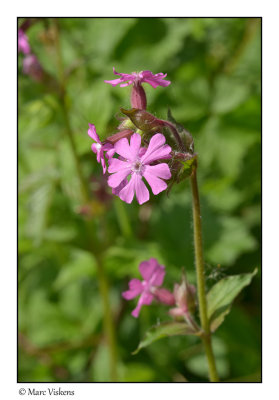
(215,68)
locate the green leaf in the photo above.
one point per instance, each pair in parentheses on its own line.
(81,265)
(229,93)
(143,120)
(164,330)
(221,296)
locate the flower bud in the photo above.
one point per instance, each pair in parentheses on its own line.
(185,301)
(138,97)
(127,133)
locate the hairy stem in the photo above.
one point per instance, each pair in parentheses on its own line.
(108,322)
(206,337)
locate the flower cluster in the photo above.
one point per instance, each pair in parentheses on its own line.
(130,158)
(183,296)
(31,64)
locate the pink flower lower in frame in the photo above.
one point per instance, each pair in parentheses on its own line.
(98,148)
(136,162)
(153,276)
(23,44)
(137,78)
(32,67)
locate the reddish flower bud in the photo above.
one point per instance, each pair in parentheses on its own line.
(126,133)
(138,97)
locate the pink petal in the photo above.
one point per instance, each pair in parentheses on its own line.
(103,165)
(160,170)
(156,143)
(157,185)
(123,77)
(93,134)
(145,298)
(110,153)
(123,149)
(127,193)
(97,151)
(162,153)
(114,82)
(135,288)
(147,268)
(158,276)
(116,165)
(157,82)
(142,192)
(114,180)
(154,80)
(126,84)
(118,189)
(135,142)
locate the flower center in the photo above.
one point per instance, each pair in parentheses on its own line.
(137,167)
(98,146)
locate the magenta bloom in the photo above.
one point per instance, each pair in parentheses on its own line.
(138,78)
(23,44)
(32,67)
(153,274)
(135,161)
(98,148)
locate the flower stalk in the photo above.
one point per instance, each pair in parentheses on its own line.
(206,336)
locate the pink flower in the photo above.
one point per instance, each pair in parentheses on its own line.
(98,148)
(136,162)
(153,275)
(138,78)
(23,45)
(32,67)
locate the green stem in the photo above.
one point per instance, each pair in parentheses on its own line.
(108,322)
(122,217)
(206,337)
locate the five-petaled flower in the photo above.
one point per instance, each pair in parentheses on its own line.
(137,78)
(98,148)
(153,275)
(136,162)
(23,44)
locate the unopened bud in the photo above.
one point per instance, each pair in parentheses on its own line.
(127,133)
(185,301)
(138,97)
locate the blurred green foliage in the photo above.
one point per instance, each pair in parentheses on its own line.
(215,68)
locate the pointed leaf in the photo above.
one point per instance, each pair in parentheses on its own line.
(221,296)
(163,330)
